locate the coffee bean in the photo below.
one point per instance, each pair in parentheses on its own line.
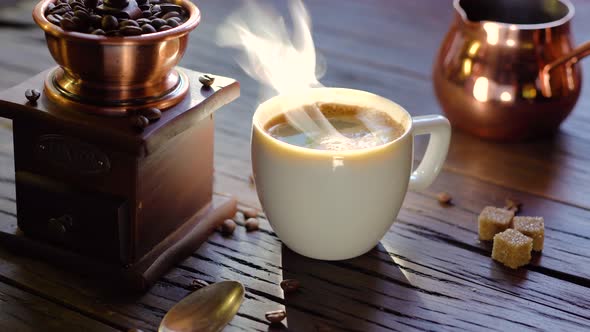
(512,204)
(60,11)
(198,284)
(156,9)
(444,197)
(50,6)
(62,5)
(32,95)
(158,22)
(91,3)
(133,329)
(164,28)
(81,25)
(140,121)
(290,285)
(128,23)
(113,33)
(82,15)
(99,32)
(117,3)
(172,23)
(68,15)
(131,31)
(248,212)
(275,316)
(51,18)
(151,113)
(169,7)
(252,224)
(68,24)
(144,7)
(207,81)
(95,21)
(228,227)
(170,15)
(79,7)
(146,13)
(109,23)
(146,28)
(143,21)
(239,218)
(177,19)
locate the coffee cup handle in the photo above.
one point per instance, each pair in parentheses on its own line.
(439,129)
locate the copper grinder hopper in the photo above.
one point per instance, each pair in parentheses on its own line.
(96,193)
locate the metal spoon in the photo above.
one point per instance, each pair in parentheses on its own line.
(208,309)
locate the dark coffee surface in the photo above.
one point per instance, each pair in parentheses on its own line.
(338,127)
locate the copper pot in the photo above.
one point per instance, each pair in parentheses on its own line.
(507,69)
(111,75)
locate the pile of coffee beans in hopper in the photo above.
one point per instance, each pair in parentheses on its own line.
(116,17)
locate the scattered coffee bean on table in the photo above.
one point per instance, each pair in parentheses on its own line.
(228,227)
(32,95)
(250,212)
(444,197)
(275,316)
(239,218)
(252,224)
(512,205)
(290,285)
(88,17)
(198,284)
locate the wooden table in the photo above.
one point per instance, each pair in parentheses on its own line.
(430,272)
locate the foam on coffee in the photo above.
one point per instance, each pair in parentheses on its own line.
(334,127)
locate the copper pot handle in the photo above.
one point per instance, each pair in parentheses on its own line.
(571,58)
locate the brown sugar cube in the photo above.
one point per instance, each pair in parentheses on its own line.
(533,227)
(493,220)
(512,248)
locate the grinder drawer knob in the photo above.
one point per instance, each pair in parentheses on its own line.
(58,227)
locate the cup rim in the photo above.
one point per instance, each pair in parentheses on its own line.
(258,125)
(56,31)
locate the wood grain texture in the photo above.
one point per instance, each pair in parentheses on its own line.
(429,273)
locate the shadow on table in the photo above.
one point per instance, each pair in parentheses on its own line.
(350,295)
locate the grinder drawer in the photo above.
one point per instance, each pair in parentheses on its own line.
(83,222)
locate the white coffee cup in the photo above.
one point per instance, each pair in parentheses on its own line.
(335,205)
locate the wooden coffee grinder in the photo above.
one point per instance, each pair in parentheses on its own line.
(100,189)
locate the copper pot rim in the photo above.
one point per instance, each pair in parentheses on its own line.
(538,26)
(176,32)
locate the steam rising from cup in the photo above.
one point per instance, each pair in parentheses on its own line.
(270,55)
(283,62)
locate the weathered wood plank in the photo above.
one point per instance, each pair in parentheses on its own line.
(402,284)
(22,311)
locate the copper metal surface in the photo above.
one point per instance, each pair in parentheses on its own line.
(507,69)
(113,74)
